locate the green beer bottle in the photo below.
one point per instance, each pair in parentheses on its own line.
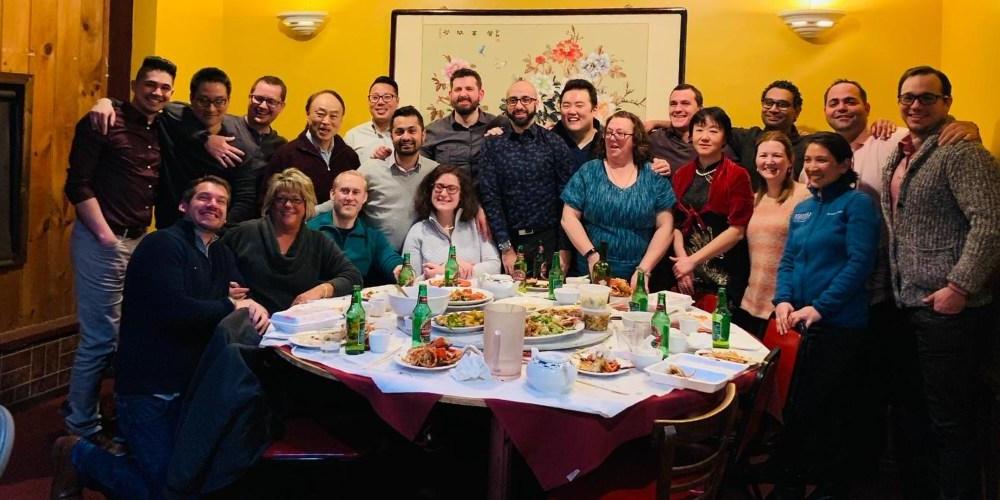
(538,272)
(406,274)
(661,323)
(601,273)
(555,276)
(640,300)
(355,317)
(421,318)
(451,268)
(720,321)
(520,272)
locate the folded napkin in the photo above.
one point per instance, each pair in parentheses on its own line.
(472,366)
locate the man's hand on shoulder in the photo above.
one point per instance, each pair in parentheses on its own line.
(883,129)
(494,132)
(102,115)
(956,131)
(218,147)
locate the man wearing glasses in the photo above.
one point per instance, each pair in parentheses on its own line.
(457,138)
(373,139)
(319,152)
(522,173)
(780,103)
(942,207)
(265,103)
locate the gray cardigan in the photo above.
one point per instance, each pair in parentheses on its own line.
(947,222)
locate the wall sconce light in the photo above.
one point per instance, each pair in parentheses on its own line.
(811,23)
(301,22)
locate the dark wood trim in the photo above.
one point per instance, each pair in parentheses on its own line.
(539,12)
(13,340)
(120,49)
(20,168)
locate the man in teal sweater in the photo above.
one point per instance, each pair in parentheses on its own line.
(365,246)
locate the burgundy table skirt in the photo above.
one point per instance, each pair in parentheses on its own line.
(558,445)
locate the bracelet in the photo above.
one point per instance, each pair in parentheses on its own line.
(590,252)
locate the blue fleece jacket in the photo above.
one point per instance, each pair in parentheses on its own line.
(364,245)
(832,243)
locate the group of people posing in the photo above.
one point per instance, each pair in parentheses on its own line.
(859,238)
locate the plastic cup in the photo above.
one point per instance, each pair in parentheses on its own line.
(379,341)
(594,297)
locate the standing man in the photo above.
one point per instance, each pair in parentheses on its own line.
(319,152)
(457,138)
(176,291)
(393,183)
(780,103)
(112,181)
(577,124)
(266,101)
(671,140)
(373,138)
(942,208)
(522,174)
(364,245)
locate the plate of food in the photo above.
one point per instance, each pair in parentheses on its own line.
(316,340)
(460,322)
(620,288)
(529,303)
(469,296)
(368,293)
(536,285)
(544,325)
(437,355)
(728,355)
(600,364)
(439,282)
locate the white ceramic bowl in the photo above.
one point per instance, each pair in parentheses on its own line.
(437,299)
(567,295)
(633,317)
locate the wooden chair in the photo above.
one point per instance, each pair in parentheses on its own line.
(753,405)
(705,301)
(693,452)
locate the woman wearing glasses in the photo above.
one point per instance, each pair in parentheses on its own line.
(712,212)
(283,261)
(446,206)
(618,198)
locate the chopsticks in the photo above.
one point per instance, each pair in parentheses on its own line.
(384,357)
(591,384)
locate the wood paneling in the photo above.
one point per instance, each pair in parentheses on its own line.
(63,44)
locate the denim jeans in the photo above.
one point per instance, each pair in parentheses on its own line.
(939,401)
(99,277)
(148,424)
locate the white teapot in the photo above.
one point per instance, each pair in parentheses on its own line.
(550,372)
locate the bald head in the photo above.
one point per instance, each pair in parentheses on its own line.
(522,103)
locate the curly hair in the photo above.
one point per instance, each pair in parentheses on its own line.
(467,200)
(640,139)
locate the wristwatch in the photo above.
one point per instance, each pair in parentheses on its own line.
(504,246)
(590,252)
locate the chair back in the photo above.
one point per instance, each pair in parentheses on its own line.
(694,451)
(6,437)
(706,301)
(755,401)
(789,345)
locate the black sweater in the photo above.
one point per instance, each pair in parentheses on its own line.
(275,279)
(174,297)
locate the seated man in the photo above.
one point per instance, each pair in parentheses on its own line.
(364,245)
(176,291)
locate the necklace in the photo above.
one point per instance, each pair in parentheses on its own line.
(707,175)
(616,181)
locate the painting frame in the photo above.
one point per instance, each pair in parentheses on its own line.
(15,167)
(666,30)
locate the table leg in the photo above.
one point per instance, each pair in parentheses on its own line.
(499,468)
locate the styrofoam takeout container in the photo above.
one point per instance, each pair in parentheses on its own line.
(707,374)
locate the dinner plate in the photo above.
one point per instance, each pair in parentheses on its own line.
(311,340)
(463,303)
(529,303)
(541,339)
(400,361)
(460,329)
(609,374)
(473,307)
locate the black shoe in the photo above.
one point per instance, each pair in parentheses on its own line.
(65,483)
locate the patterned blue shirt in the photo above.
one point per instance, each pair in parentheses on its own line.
(520,178)
(625,218)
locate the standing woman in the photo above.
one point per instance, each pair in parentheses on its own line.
(283,261)
(446,206)
(619,199)
(776,196)
(712,212)
(830,253)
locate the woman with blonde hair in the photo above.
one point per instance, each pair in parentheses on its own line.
(282,261)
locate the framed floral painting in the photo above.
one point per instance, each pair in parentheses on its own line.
(632,56)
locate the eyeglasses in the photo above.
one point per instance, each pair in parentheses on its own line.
(205,102)
(284,200)
(446,188)
(767,103)
(925,99)
(375,99)
(512,101)
(617,134)
(259,99)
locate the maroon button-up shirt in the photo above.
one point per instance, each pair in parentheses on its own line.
(121,169)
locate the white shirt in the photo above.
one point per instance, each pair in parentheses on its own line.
(366,138)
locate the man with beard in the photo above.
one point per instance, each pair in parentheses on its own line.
(266,101)
(318,151)
(176,292)
(393,182)
(373,139)
(780,103)
(457,138)
(364,245)
(522,173)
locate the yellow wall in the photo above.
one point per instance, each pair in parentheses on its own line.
(734,48)
(970,43)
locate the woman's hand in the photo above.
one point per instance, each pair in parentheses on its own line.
(808,315)
(466,269)
(594,257)
(683,266)
(635,276)
(396,270)
(258,315)
(317,292)
(685,284)
(781,313)
(237,292)
(431,270)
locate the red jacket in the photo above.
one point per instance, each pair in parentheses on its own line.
(304,155)
(729,194)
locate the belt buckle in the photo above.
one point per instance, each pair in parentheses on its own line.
(525,232)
